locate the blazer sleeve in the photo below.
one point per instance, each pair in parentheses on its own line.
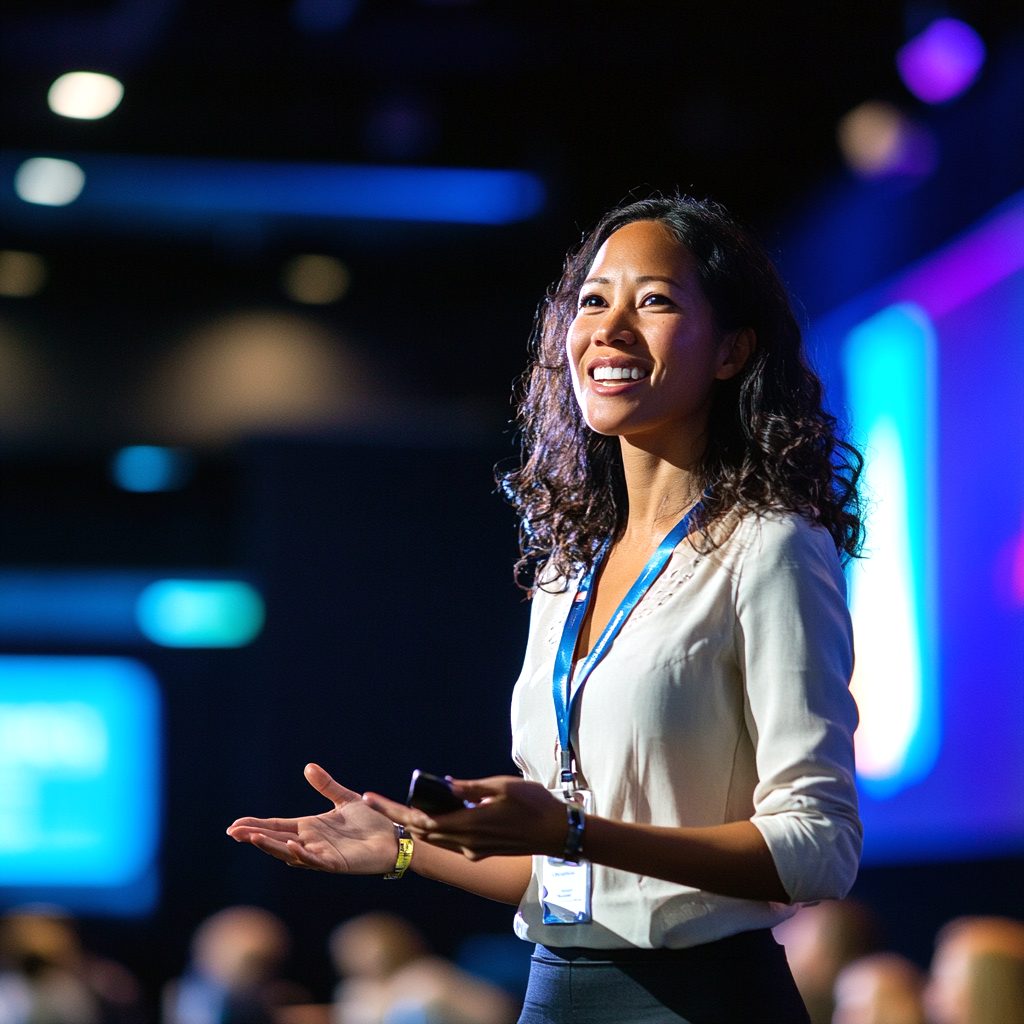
(795,647)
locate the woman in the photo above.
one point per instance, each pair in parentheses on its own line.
(682,720)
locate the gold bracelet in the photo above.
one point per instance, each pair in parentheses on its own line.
(404,858)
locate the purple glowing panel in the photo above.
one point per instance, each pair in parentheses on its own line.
(968,268)
(941,62)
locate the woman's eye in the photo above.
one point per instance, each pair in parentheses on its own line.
(590,300)
(656,300)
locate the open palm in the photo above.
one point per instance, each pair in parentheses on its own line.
(351,838)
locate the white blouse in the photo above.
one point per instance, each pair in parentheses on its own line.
(725,697)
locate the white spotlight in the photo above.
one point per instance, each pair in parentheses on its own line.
(86,95)
(49,182)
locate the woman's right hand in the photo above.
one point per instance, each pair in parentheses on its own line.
(351,838)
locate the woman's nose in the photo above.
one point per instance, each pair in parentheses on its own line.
(614,328)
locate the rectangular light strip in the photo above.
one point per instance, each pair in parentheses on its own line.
(124,607)
(189,188)
(889,363)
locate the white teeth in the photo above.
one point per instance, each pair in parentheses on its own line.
(618,373)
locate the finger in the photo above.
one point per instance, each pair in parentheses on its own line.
(465,823)
(266,824)
(275,847)
(402,814)
(479,789)
(291,852)
(244,834)
(303,857)
(326,786)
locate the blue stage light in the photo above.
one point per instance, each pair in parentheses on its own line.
(147,469)
(889,363)
(200,613)
(184,189)
(127,607)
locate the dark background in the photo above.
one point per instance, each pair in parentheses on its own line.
(394,632)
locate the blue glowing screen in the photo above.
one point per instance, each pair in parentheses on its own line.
(79,777)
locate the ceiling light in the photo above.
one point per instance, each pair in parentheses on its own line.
(49,182)
(86,95)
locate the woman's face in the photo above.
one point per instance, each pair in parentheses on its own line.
(643,348)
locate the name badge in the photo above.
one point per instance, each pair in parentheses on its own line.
(565,887)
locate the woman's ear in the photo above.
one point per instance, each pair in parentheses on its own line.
(737,348)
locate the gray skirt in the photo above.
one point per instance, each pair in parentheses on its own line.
(742,979)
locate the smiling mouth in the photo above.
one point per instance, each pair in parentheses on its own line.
(617,373)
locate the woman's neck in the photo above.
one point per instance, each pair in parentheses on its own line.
(660,488)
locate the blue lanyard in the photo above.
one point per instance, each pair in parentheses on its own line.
(561,678)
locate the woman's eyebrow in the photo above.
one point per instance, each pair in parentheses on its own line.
(657,277)
(640,280)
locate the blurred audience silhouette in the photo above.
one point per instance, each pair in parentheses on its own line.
(820,941)
(389,976)
(47,976)
(882,988)
(977,972)
(234,971)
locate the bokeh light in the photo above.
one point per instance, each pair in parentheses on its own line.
(150,469)
(47,181)
(942,62)
(27,391)
(85,95)
(22,274)
(256,371)
(316,280)
(878,140)
(200,613)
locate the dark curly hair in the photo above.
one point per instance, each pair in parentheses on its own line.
(770,444)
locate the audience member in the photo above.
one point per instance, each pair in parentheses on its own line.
(389,976)
(820,941)
(234,971)
(977,972)
(882,988)
(47,976)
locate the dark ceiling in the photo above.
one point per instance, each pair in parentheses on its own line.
(740,99)
(599,99)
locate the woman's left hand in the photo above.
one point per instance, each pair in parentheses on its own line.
(511,817)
